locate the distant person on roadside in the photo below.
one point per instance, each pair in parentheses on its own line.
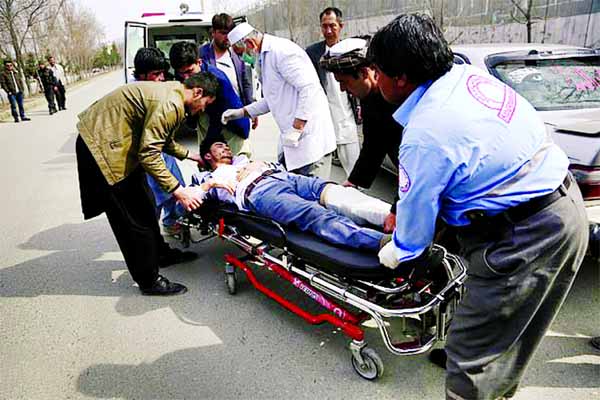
(13,86)
(185,60)
(59,88)
(343,107)
(150,65)
(292,92)
(48,81)
(218,53)
(121,139)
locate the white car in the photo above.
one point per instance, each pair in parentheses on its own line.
(563,84)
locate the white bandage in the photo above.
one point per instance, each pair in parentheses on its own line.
(387,255)
(231,114)
(291,137)
(355,205)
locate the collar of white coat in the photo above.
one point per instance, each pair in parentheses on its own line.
(267,43)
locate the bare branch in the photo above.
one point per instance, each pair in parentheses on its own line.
(516,4)
(514,18)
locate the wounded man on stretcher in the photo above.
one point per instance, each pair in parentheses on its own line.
(330,211)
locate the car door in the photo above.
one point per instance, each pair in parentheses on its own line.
(136,37)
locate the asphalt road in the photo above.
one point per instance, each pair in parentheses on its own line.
(72,326)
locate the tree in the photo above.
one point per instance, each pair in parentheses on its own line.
(115,55)
(523,15)
(78,35)
(17,17)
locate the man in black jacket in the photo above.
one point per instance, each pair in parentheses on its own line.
(48,81)
(13,86)
(382,135)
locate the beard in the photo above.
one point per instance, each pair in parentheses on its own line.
(221,45)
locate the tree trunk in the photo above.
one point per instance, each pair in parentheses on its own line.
(18,56)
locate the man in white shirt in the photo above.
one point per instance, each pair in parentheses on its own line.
(343,108)
(293,94)
(59,89)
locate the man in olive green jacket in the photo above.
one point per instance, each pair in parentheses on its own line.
(121,138)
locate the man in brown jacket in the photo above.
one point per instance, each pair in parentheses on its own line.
(121,138)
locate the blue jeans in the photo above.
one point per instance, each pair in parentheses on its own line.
(15,100)
(165,201)
(292,199)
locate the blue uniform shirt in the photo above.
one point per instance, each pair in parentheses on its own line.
(470,143)
(226,98)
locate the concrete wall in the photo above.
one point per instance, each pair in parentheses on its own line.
(575,22)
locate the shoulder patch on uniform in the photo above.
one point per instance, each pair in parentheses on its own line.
(493,94)
(403,179)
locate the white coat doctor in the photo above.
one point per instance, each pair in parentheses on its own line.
(292,92)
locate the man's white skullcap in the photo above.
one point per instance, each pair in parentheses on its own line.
(239,32)
(345,46)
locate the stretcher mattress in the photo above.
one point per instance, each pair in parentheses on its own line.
(341,261)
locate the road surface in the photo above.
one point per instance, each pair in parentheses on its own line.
(72,326)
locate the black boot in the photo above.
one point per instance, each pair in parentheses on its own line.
(438,357)
(175,256)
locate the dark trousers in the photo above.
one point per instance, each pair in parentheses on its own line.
(130,210)
(16,100)
(519,274)
(60,95)
(49,93)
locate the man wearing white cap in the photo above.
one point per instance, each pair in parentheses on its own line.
(292,92)
(343,107)
(347,62)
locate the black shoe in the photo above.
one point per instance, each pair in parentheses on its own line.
(163,287)
(596,342)
(438,357)
(25,119)
(53,112)
(16,120)
(63,109)
(175,256)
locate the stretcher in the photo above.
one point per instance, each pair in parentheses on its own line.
(411,307)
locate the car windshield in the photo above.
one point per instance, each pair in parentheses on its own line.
(559,84)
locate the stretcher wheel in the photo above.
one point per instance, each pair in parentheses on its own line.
(231,281)
(372,368)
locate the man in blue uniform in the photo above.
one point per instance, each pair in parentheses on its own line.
(475,153)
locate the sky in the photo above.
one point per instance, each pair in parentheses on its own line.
(112,14)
